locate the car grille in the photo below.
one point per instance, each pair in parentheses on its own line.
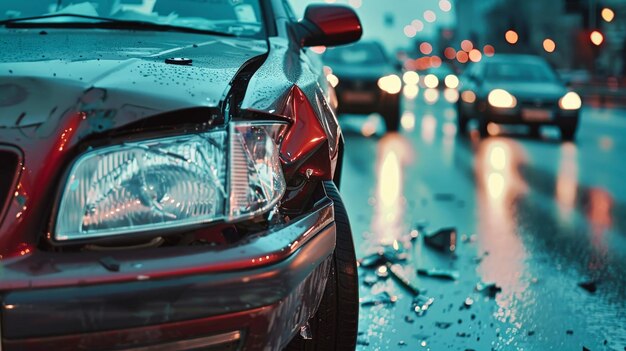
(538,104)
(359,85)
(9,161)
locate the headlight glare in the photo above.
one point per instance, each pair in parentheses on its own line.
(571,101)
(501,98)
(391,84)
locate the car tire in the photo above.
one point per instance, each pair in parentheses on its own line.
(391,116)
(482,128)
(534,131)
(568,132)
(335,324)
(461,120)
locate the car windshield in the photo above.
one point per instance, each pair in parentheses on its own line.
(360,54)
(519,72)
(232,17)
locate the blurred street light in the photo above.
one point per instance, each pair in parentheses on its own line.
(608,14)
(475,55)
(549,45)
(449,53)
(410,31)
(445,5)
(467,45)
(489,50)
(597,38)
(430,16)
(426,48)
(462,56)
(418,25)
(356,3)
(511,37)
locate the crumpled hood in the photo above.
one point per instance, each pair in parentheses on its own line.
(48,72)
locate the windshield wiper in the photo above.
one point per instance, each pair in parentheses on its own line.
(102,23)
(11,21)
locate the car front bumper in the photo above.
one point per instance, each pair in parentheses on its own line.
(554,116)
(252,296)
(366,100)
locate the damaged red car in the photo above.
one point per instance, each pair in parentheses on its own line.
(168,177)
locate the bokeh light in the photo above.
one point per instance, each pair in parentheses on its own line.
(410,31)
(431,81)
(445,5)
(467,45)
(597,38)
(607,14)
(489,50)
(549,45)
(449,53)
(462,56)
(475,55)
(411,78)
(511,37)
(430,16)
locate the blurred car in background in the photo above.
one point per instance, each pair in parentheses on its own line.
(365,81)
(517,89)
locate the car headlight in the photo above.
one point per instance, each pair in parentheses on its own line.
(571,101)
(173,182)
(431,81)
(501,98)
(452,81)
(391,84)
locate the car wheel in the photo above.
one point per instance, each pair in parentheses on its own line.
(391,115)
(568,133)
(482,128)
(335,325)
(535,131)
(461,120)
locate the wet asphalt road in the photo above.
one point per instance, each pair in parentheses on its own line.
(535,216)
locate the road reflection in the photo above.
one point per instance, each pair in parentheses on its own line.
(499,186)
(394,153)
(567,182)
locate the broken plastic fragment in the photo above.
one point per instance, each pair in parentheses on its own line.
(489,289)
(395,253)
(373,260)
(467,303)
(438,273)
(379,299)
(382,272)
(443,240)
(443,325)
(398,275)
(370,279)
(421,304)
(590,286)
(305,332)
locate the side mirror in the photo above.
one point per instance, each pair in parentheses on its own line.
(329,25)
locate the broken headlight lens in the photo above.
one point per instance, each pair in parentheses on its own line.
(173,182)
